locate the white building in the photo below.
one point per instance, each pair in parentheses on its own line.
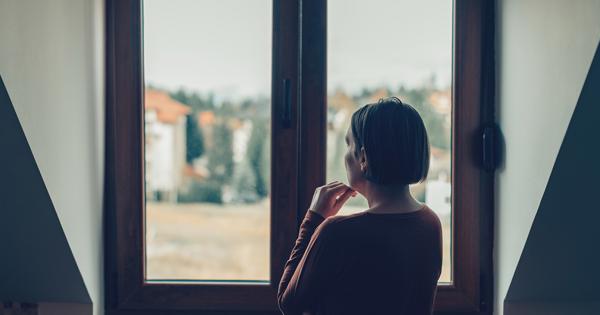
(165,121)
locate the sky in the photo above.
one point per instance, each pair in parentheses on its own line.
(224,46)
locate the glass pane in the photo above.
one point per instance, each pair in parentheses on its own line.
(207,118)
(402,48)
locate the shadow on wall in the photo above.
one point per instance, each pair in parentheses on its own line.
(558,269)
(37,264)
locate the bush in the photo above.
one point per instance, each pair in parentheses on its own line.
(202,191)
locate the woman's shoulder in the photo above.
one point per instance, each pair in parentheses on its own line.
(338,229)
(340,224)
(364,218)
(424,215)
(342,219)
(339,220)
(432,216)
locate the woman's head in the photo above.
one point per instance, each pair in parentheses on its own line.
(387,145)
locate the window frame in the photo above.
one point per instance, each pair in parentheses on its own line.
(470,291)
(124,180)
(298,162)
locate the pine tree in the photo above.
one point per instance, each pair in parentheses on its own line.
(194,139)
(258,157)
(220,156)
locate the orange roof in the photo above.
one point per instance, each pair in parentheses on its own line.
(439,153)
(341,100)
(377,95)
(206,118)
(441,101)
(167,109)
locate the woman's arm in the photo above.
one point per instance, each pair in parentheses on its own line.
(309,266)
(311,262)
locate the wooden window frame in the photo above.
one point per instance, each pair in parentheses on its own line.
(298,162)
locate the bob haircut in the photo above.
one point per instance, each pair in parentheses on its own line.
(395,141)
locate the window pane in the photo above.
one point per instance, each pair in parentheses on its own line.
(207,139)
(402,48)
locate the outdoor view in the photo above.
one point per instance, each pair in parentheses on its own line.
(403,49)
(208,78)
(207,123)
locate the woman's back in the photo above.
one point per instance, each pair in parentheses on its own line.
(367,263)
(388,260)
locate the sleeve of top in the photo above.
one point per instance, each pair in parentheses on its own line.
(309,268)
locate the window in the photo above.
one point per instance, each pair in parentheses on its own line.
(394,61)
(223,116)
(207,139)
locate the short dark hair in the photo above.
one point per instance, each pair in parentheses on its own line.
(395,142)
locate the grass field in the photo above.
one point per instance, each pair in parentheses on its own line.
(213,242)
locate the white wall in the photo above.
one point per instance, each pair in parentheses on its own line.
(52,62)
(545,48)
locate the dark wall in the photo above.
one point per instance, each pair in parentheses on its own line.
(36,262)
(560,263)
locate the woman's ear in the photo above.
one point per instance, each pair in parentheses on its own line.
(362,159)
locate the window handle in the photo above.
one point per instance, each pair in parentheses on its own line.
(286,115)
(491,147)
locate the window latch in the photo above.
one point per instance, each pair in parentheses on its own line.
(490,138)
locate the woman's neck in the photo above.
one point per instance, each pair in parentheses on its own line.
(390,199)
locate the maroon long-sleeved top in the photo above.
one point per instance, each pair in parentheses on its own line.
(364,263)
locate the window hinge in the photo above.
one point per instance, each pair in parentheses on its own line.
(490,138)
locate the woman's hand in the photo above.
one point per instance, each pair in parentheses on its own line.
(329,199)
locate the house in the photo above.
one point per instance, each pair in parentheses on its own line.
(165,144)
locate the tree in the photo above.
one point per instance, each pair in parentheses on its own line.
(195,100)
(244,183)
(194,139)
(220,156)
(257,154)
(434,121)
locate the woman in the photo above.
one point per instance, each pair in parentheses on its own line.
(386,259)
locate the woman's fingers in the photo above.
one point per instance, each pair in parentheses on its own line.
(341,200)
(338,188)
(338,192)
(329,198)
(332,184)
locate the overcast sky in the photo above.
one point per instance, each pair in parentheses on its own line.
(224,46)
